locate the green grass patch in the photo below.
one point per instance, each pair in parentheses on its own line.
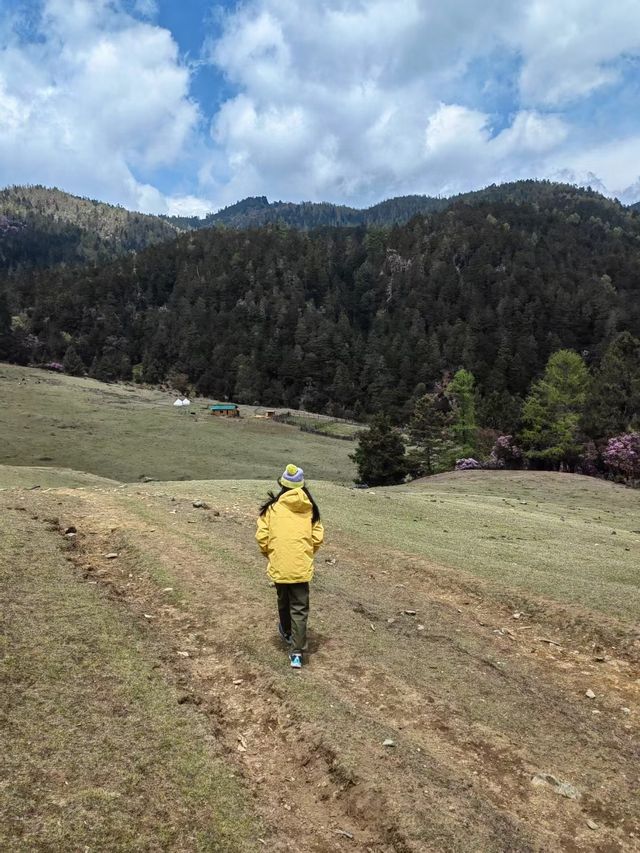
(575,540)
(30,477)
(323,426)
(126,432)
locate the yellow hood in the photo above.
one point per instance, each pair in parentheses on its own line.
(289,538)
(296,500)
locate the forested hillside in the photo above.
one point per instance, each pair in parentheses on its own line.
(41,227)
(257,211)
(349,321)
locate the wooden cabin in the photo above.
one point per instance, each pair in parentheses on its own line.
(225,410)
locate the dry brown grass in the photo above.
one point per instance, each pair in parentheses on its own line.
(97,754)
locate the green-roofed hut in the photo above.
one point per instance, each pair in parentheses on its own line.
(225,410)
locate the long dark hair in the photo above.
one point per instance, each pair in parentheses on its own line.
(315,509)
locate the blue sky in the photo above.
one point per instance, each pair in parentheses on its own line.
(185,107)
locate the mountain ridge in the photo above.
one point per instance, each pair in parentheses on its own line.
(42,227)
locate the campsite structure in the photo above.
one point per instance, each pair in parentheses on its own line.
(225,410)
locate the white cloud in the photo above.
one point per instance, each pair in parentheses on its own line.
(146,8)
(99,96)
(570,47)
(342,100)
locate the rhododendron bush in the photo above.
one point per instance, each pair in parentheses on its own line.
(505,453)
(467,465)
(622,455)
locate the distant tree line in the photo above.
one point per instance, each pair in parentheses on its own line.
(572,419)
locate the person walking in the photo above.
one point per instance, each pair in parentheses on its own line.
(289,532)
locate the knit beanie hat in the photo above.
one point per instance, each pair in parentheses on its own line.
(292,477)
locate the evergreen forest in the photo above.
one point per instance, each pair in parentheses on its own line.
(350,321)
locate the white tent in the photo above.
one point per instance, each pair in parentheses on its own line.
(178,402)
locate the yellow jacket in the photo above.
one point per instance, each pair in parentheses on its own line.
(289,539)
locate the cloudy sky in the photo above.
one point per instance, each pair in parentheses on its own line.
(184,106)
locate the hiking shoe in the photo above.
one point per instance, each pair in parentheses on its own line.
(296,661)
(286,638)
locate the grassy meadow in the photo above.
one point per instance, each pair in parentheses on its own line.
(147,703)
(126,433)
(571,539)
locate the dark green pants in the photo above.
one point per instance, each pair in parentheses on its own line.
(293,607)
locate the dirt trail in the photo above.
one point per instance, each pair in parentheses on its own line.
(476,702)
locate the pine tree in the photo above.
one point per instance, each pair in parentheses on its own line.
(5,328)
(72,363)
(613,401)
(426,429)
(553,410)
(380,455)
(463,426)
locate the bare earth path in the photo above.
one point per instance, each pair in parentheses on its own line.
(496,745)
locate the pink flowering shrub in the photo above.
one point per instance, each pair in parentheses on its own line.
(505,453)
(467,465)
(622,455)
(54,365)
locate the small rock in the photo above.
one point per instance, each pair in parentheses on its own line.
(420,627)
(69,530)
(592,824)
(168,589)
(590,694)
(388,742)
(201,505)
(562,788)
(112,556)
(626,710)
(69,535)
(183,654)
(391,621)
(409,612)
(331,561)
(517,615)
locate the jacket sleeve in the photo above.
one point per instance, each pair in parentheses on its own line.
(317,535)
(262,533)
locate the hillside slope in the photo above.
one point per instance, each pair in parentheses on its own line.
(352,320)
(494,744)
(126,433)
(42,227)
(254,212)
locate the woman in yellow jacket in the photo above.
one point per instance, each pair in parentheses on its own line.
(289,533)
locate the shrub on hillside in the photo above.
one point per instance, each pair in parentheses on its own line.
(622,456)
(468,465)
(589,462)
(505,453)
(380,455)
